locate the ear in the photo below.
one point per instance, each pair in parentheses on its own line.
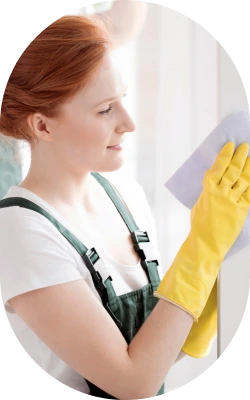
(39,125)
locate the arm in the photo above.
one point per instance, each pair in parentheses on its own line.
(127,19)
(70,319)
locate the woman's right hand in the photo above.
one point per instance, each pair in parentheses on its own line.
(216,221)
(221,210)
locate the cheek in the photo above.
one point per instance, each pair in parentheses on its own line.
(84,134)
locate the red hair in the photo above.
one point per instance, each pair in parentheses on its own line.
(56,64)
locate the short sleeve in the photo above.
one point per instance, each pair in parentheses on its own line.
(33,254)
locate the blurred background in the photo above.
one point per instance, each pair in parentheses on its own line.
(181,84)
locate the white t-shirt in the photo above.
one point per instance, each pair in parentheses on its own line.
(34,254)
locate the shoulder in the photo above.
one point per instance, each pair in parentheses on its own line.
(136,199)
(134,196)
(23,228)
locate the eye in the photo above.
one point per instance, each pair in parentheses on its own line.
(110,108)
(106,111)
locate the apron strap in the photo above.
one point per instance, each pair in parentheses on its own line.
(119,204)
(141,241)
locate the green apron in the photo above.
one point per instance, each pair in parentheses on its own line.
(130,310)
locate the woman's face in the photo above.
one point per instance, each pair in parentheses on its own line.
(90,123)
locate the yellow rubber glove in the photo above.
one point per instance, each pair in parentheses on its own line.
(216,221)
(202,334)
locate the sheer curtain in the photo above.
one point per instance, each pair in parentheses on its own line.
(176,109)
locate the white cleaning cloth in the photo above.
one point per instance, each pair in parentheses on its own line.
(186,183)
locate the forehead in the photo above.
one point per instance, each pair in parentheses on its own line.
(109,80)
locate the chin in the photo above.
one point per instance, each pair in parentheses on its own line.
(112,166)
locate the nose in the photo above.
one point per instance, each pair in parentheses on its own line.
(127,125)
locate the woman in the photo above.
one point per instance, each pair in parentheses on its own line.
(81,281)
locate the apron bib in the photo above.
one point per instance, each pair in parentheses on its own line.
(130,310)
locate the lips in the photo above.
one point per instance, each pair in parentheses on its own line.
(115,147)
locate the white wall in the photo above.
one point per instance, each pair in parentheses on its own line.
(235,272)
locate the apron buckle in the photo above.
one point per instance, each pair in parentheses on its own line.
(144,263)
(96,267)
(143,246)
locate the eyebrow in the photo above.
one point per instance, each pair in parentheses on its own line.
(107,100)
